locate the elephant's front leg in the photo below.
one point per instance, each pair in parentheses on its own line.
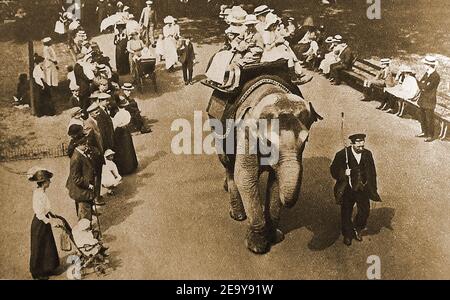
(247,177)
(237,211)
(273,209)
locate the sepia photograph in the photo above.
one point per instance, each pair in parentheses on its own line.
(215,140)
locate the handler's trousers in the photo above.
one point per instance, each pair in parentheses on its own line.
(363,205)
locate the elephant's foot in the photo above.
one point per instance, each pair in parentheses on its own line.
(257,243)
(275,236)
(238,216)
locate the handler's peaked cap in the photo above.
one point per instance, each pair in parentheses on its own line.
(357,136)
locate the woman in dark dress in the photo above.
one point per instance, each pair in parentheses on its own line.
(121,40)
(125,157)
(44,103)
(44,258)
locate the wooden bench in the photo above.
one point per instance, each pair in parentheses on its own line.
(362,70)
(442,113)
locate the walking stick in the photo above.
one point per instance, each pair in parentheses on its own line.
(345,145)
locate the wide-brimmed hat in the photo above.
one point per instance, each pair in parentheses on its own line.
(262,9)
(119,3)
(126,8)
(169,20)
(93,107)
(271,19)
(100,96)
(251,20)
(237,15)
(39,174)
(149,2)
(75,111)
(127,87)
(109,152)
(46,40)
(430,60)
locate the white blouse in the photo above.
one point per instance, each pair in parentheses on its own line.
(122,118)
(41,205)
(38,75)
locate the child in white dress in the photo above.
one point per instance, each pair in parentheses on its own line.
(110,175)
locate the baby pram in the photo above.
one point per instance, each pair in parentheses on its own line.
(145,68)
(92,254)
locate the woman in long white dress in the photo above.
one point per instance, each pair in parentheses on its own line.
(50,63)
(170,34)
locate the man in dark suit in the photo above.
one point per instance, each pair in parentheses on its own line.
(427,101)
(81,180)
(345,63)
(187,58)
(353,168)
(148,21)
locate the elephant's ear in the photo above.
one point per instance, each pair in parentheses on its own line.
(314,115)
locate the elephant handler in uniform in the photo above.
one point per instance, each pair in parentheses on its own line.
(353,168)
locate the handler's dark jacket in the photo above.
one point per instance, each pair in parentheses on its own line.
(81,175)
(428,89)
(363,176)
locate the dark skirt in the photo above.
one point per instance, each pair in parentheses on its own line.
(122,61)
(44,102)
(125,157)
(44,255)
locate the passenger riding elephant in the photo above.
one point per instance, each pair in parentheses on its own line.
(267,98)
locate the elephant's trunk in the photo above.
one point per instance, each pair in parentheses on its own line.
(290,178)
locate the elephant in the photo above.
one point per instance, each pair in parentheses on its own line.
(267,98)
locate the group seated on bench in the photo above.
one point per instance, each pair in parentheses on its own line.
(396,93)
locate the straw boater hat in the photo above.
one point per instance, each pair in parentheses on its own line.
(430,60)
(329,40)
(39,174)
(127,87)
(251,20)
(234,30)
(271,19)
(261,10)
(406,69)
(385,61)
(337,38)
(149,2)
(169,20)
(46,40)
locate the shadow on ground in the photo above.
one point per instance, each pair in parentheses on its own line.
(317,211)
